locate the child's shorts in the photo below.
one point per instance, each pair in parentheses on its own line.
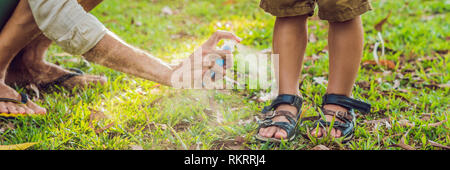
(331,10)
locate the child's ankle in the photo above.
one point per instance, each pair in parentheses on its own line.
(334,107)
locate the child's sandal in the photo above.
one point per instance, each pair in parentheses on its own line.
(290,127)
(346,127)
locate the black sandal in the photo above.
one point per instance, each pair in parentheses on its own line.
(269,113)
(349,118)
(59,81)
(24,100)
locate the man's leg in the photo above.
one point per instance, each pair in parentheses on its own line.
(289,41)
(17,33)
(345,41)
(29,66)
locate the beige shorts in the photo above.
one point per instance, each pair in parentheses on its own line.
(67,24)
(331,10)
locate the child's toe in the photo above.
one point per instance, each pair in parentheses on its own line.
(281,134)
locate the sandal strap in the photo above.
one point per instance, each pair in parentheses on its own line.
(285,99)
(288,115)
(343,116)
(345,128)
(60,80)
(76,70)
(63,78)
(23,100)
(346,102)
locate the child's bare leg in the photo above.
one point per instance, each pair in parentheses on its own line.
(345,41)
(289,41)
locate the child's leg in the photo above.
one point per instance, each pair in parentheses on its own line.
(289,41)
(345,41)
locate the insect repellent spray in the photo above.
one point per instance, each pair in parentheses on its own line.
(228,45)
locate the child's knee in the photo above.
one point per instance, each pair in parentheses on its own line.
(299,18)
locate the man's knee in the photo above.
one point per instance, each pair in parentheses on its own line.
(88,5)
(67,24)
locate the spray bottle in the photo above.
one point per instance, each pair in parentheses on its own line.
(227,45)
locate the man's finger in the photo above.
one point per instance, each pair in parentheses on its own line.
(219,35)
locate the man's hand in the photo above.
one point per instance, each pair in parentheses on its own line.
(195,71)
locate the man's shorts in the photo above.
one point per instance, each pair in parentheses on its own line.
(331,10)
(67,24)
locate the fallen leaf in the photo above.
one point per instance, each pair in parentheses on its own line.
(435,144)
(96,115)
(239,139)
(21,146)
(387,63)
(425,116)
(435,124)
(405,123)
(229,2)
(103,129)
(402,143)
(363,84)
(379,25)
(320,147)
(208,111)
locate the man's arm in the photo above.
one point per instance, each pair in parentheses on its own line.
(68,24)
(116,54)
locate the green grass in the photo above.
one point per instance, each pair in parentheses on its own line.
(156,117)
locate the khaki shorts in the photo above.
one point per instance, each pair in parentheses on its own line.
(331,10)
(67,24)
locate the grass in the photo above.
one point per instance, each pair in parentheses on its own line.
(131,113)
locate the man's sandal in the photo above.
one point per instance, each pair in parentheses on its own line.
(23,101)
(269,113)
(346,127)
(59,81)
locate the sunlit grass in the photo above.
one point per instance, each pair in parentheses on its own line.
(156,117)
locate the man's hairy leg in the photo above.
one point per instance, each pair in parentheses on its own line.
(29,66)
(17,33)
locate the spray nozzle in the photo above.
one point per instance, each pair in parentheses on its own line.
(227,45)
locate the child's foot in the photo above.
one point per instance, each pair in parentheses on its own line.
(274,131)
(334,132)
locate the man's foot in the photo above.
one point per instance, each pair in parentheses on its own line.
(274,131)
(22,72)
(334,132)
(9,107)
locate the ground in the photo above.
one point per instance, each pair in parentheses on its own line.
(408,90)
